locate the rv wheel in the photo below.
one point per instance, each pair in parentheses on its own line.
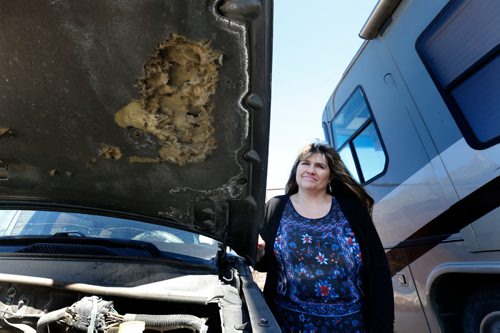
(482,311)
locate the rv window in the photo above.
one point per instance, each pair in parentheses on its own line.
(460,49)
(348,159)
(325,130)
(357,140)
(370,153)
(479,100)
(351,117)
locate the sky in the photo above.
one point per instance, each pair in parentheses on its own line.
(313,43)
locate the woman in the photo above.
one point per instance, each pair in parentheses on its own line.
(326,267)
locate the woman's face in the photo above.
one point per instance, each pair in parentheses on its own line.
(313,173)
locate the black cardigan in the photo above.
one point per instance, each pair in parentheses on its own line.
(378,309)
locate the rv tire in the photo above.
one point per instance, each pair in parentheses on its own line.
(482,311)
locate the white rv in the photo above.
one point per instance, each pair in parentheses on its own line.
(416,117)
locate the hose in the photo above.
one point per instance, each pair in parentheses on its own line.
(50,318)
(169,322)
(91,312)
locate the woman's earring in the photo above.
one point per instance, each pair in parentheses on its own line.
(330,188)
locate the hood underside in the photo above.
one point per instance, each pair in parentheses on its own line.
(155,108)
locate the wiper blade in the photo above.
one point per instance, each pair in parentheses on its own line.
(81,244)
(69,234)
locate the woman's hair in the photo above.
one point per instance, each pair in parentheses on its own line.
(340,178)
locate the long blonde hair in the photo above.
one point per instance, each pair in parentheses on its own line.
(340,178)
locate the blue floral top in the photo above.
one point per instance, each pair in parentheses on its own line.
(319,279)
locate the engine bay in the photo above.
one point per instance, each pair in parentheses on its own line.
(67,295)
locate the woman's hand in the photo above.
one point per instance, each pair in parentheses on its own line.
(261,245)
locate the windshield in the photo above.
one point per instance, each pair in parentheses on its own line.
(30,223)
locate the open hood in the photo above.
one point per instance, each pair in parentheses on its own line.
(158,108)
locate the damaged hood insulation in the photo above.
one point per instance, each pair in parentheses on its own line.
(153,109)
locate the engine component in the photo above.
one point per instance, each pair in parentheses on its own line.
(92,314)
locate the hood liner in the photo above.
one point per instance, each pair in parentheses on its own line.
(155,108)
